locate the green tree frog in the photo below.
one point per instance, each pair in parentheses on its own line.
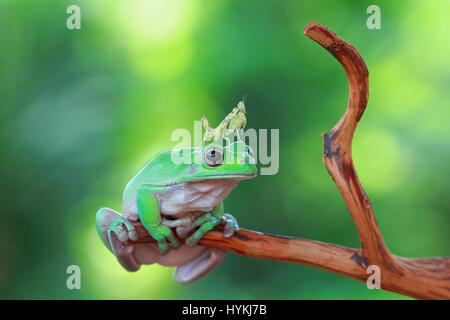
(172,199)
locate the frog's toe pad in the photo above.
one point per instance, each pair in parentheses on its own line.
(191,241)
(133,235)
(182,232)
(231,225)
(122,234)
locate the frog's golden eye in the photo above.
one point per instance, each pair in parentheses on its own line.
(213,157)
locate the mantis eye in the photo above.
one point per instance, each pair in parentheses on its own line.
(250,151)
(213,157)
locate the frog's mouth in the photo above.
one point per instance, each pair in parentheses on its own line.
(229,176)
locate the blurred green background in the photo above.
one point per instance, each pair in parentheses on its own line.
(83,110)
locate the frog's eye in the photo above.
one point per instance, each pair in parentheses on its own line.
(213,157)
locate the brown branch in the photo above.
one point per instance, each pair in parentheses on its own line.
(326,256)
(337,144)
(425,278)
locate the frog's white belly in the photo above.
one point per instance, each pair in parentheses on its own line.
(201,196)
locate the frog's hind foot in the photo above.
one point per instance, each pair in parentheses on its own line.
(200,266)
(114,229)
(109,221)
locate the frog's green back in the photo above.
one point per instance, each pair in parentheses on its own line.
(160,171)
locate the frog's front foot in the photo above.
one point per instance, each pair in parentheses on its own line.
(206,223)
(162,234)
(231,225)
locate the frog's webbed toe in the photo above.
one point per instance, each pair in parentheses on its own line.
(200,266)
(182,232)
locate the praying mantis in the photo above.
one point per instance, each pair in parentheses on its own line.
(234,121)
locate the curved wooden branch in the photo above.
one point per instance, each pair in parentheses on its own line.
(425,278)
(337,144)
